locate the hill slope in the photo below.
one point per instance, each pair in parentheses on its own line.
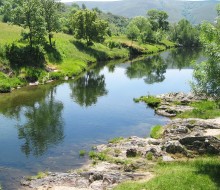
(193,11)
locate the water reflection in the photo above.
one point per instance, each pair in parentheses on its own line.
(87,89)
(152,68)
(44,126)
(183,57)
(42,114)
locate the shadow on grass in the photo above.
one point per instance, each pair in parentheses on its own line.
(99,55)
(54,55)
(25,57)
(210,168)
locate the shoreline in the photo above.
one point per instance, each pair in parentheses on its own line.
(133,158)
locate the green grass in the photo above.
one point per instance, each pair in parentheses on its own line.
(151,101)
(199,174)
(6,83)
(39,175)
(115,140)
(72,57)
(204,109)
(157,132)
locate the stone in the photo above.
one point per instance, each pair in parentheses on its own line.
(131,153)
(203,144)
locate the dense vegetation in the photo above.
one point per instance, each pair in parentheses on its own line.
(65,39)
(207,73)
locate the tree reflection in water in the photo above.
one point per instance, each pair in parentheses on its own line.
(44,127)
(152,68)
(44,123)
(87,89)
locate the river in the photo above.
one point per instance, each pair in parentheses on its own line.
(43,128)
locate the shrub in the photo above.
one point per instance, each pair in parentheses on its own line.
(156,132)
(4,88)
(56,75)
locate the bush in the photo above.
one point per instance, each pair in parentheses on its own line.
(113,44)
(56,75)
(156,132)
(4,88)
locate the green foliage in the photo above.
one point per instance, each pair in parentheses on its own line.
(28,14)
(98,156)
(113,44)
(149,156)
(204,109)
(207,73)
(185,34)
(151,101)
(116,140)
(82,153)
(158,19)
(88,26)
(156,132)
(140,28)
(132,32)
(6,83)
(56,75)
(200,174)
(51,13)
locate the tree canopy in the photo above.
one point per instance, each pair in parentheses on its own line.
(88,26)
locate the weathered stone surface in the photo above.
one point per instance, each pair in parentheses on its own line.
(203,145)
(173,103)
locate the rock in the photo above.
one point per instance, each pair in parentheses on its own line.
(167,158)
(131,153)
(174,147)
(202,145)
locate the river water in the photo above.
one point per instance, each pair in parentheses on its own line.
(44,128)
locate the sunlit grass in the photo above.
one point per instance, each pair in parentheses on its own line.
(198,174)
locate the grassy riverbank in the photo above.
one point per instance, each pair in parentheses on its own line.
(197,174)
(68,57)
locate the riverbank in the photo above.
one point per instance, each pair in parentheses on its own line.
(184,142)
(66,59)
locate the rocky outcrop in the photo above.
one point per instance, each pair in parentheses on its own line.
(102,176)
(174,103)
(131,158)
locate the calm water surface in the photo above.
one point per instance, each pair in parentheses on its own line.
(44,128)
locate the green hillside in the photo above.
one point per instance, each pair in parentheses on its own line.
(195,12)
(69,58)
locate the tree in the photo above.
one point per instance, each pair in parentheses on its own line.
(158,19)
(29,15)
(207,73)
(185,34)
(142,27)
(132,32)
(88,26)
(51,13)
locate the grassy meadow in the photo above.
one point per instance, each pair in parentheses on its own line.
(69,57)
